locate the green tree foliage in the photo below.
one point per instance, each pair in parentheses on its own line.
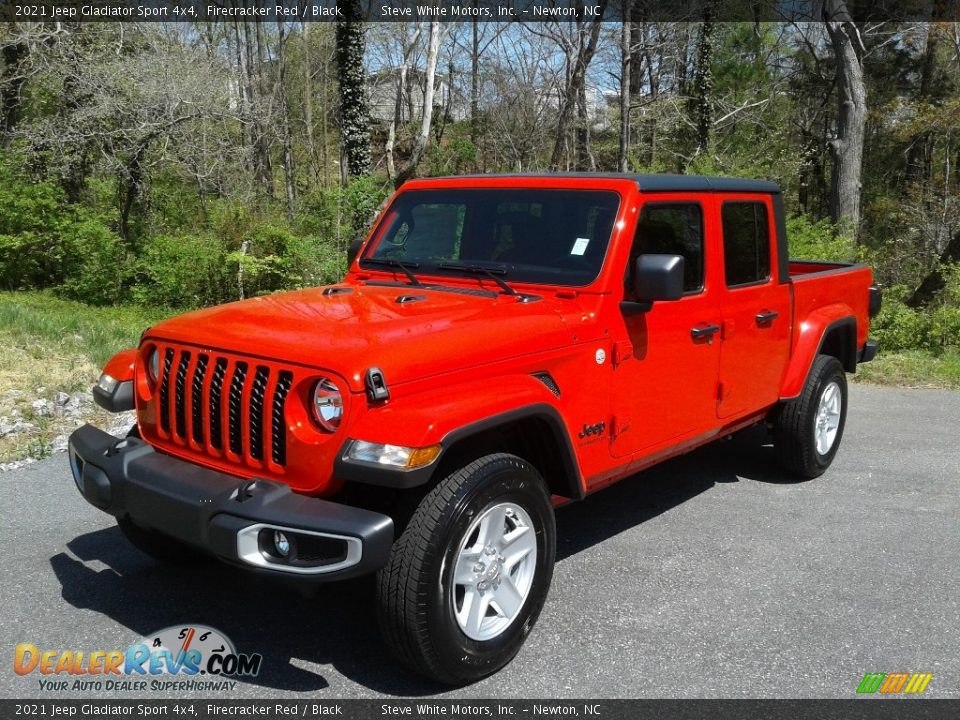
(144,163)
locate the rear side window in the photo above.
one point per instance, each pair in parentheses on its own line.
(746,243)
(673,229)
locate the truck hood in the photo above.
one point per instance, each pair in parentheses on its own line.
(348,329)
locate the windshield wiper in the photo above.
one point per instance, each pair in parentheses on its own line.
(406,267)
(481,270)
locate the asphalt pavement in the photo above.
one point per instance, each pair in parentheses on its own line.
(708,576)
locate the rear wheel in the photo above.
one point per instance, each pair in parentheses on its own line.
(809,427)
(468,577)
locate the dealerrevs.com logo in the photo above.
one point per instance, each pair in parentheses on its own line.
(191,657)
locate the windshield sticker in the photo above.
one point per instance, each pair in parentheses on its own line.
(580,246)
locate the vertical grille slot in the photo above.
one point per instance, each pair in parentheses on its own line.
(257,392)
(278,439)
(164,408)
(196,399)
(235,399)
(216,396)
(180,389)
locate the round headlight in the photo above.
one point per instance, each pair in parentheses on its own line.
(153,365)
(327,405)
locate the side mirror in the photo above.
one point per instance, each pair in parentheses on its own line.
(354,250)
(656,277)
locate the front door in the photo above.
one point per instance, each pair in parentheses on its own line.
(667,359)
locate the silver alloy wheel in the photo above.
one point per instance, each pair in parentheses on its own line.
(827,419)
(494,570)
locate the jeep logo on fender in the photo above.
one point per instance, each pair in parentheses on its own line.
(589,430)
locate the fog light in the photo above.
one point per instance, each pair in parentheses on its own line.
(281,544)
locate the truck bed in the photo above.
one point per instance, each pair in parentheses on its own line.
(817,285)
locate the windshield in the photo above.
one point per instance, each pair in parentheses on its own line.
(540,236)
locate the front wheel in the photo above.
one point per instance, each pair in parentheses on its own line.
(808,428)
(468,577)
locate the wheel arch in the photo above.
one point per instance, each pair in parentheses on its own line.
(535,433)
(833,332)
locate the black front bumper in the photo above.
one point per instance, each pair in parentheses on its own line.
(220,513)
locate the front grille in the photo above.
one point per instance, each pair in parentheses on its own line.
(223,406)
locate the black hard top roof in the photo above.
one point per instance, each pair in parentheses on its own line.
(659,183)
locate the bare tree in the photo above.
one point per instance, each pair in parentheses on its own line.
(408,45)
(579,49)
(626,59)
(426,112)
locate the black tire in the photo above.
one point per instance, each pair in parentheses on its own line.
(795,437)
(159,546)
(415,594)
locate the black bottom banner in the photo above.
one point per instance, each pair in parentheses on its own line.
(494,709)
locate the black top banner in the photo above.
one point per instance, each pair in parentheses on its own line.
(527,11)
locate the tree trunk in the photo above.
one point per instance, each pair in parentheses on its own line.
(423,137)
(130,187)
(399,101)
(920,155)
(475,83)
(261,160)
(584,159)
(935,281)
(703,81)
(846,149)
(312,174)
(626,56)
(354,116)
(10,85)
(289,169)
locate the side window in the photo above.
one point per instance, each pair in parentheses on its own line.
(746,243)
(673,229)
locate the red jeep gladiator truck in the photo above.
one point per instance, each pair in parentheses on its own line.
(501,345)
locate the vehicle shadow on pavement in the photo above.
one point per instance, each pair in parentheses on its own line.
(748,455)
(291,630)
(336,625)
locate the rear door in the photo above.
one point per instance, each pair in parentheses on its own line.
(755,308)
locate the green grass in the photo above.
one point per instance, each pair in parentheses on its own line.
(42,321)
(913,369)
(49,345)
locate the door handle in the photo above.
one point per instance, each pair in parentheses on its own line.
(704,331)
(765,317)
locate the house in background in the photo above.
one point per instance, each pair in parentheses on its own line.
(382,95)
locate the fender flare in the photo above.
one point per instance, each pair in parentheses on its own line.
(809,342)
(451,421)
(121,368)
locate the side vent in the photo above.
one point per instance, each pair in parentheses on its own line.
(547,379)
